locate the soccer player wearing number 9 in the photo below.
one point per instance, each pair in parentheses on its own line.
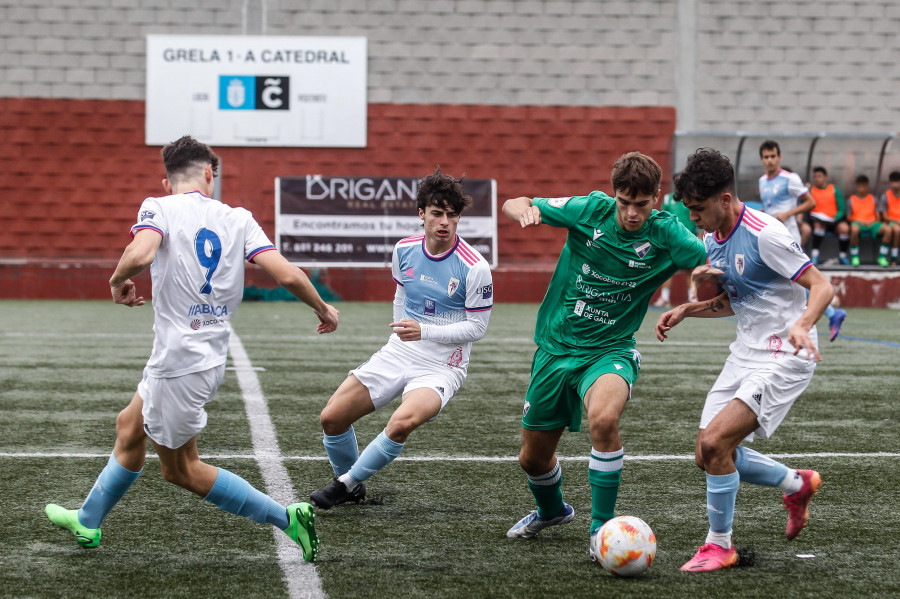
(195,247)
(617,253)
(442,304)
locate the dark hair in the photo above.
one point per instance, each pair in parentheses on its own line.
(769,144)
(706,174)
(183,156)
(443,191)
(820,169)
(636,174)
(862,179)
(894,176)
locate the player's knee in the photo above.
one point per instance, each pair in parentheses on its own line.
(399,430)
(604,426)
(129,430)
(332,423)
(711,449)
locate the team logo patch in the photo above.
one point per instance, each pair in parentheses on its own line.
(452,286)
(558,202)
(487,291)
(641,248)
(739,263)
(455,358)
(525,409)
(430,307)
(146,215)
(794,247)
(409,273)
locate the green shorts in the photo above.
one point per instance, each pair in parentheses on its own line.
(870,229)
(555,396)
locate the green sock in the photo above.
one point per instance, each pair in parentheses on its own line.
(605,475)
(547,491)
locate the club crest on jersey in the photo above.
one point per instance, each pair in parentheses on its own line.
(641,248)
(430,307)
(739,263)
(558,202)
(452,286)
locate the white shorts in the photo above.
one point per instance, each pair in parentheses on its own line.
(174,408)
(769,391)
(389,373)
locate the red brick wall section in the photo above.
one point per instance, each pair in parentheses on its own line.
(74,172)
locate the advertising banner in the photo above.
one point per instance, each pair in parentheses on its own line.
(355,221)
(257,90)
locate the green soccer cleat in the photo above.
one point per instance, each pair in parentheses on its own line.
(302,529)
(854,260)
(883,261)
(68,519)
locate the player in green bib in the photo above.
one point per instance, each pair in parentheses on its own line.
(619,250)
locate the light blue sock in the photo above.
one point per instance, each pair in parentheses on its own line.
(757,469)
(378,454)
(342,450)
(828,311)
(234,494)
(112,484)
(721,492)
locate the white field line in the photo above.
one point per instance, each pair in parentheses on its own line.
(381,339)
(302,579)
(464,458)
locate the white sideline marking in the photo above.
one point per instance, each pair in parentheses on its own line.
(460,458)
(301,577)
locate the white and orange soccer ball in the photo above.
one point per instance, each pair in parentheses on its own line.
(624,546)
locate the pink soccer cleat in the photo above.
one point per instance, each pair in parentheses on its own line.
(797,503)
(711,557)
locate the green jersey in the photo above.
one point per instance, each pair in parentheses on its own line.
(605,275)
(677,208)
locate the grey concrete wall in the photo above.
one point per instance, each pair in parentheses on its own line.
(758,65)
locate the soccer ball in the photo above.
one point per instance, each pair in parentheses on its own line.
(624,546)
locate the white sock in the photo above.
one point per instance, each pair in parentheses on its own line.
(722,539)
(791,482)
(665,294)
(349,483)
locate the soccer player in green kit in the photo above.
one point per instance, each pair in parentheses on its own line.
(619,250)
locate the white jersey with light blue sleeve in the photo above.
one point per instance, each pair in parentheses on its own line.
(780,194)
(197,277)
(761,262)
(450,295)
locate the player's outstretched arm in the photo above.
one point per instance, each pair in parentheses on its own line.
(522,211)
(717,307)
(137,257)
(295,280)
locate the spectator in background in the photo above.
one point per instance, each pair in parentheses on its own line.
(866,218)
(828,215)
(890,202)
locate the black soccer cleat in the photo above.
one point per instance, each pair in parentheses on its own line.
(335,494)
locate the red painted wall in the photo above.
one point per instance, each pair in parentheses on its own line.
(74,172)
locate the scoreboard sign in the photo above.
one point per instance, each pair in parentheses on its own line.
(257,90)
(355,221)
